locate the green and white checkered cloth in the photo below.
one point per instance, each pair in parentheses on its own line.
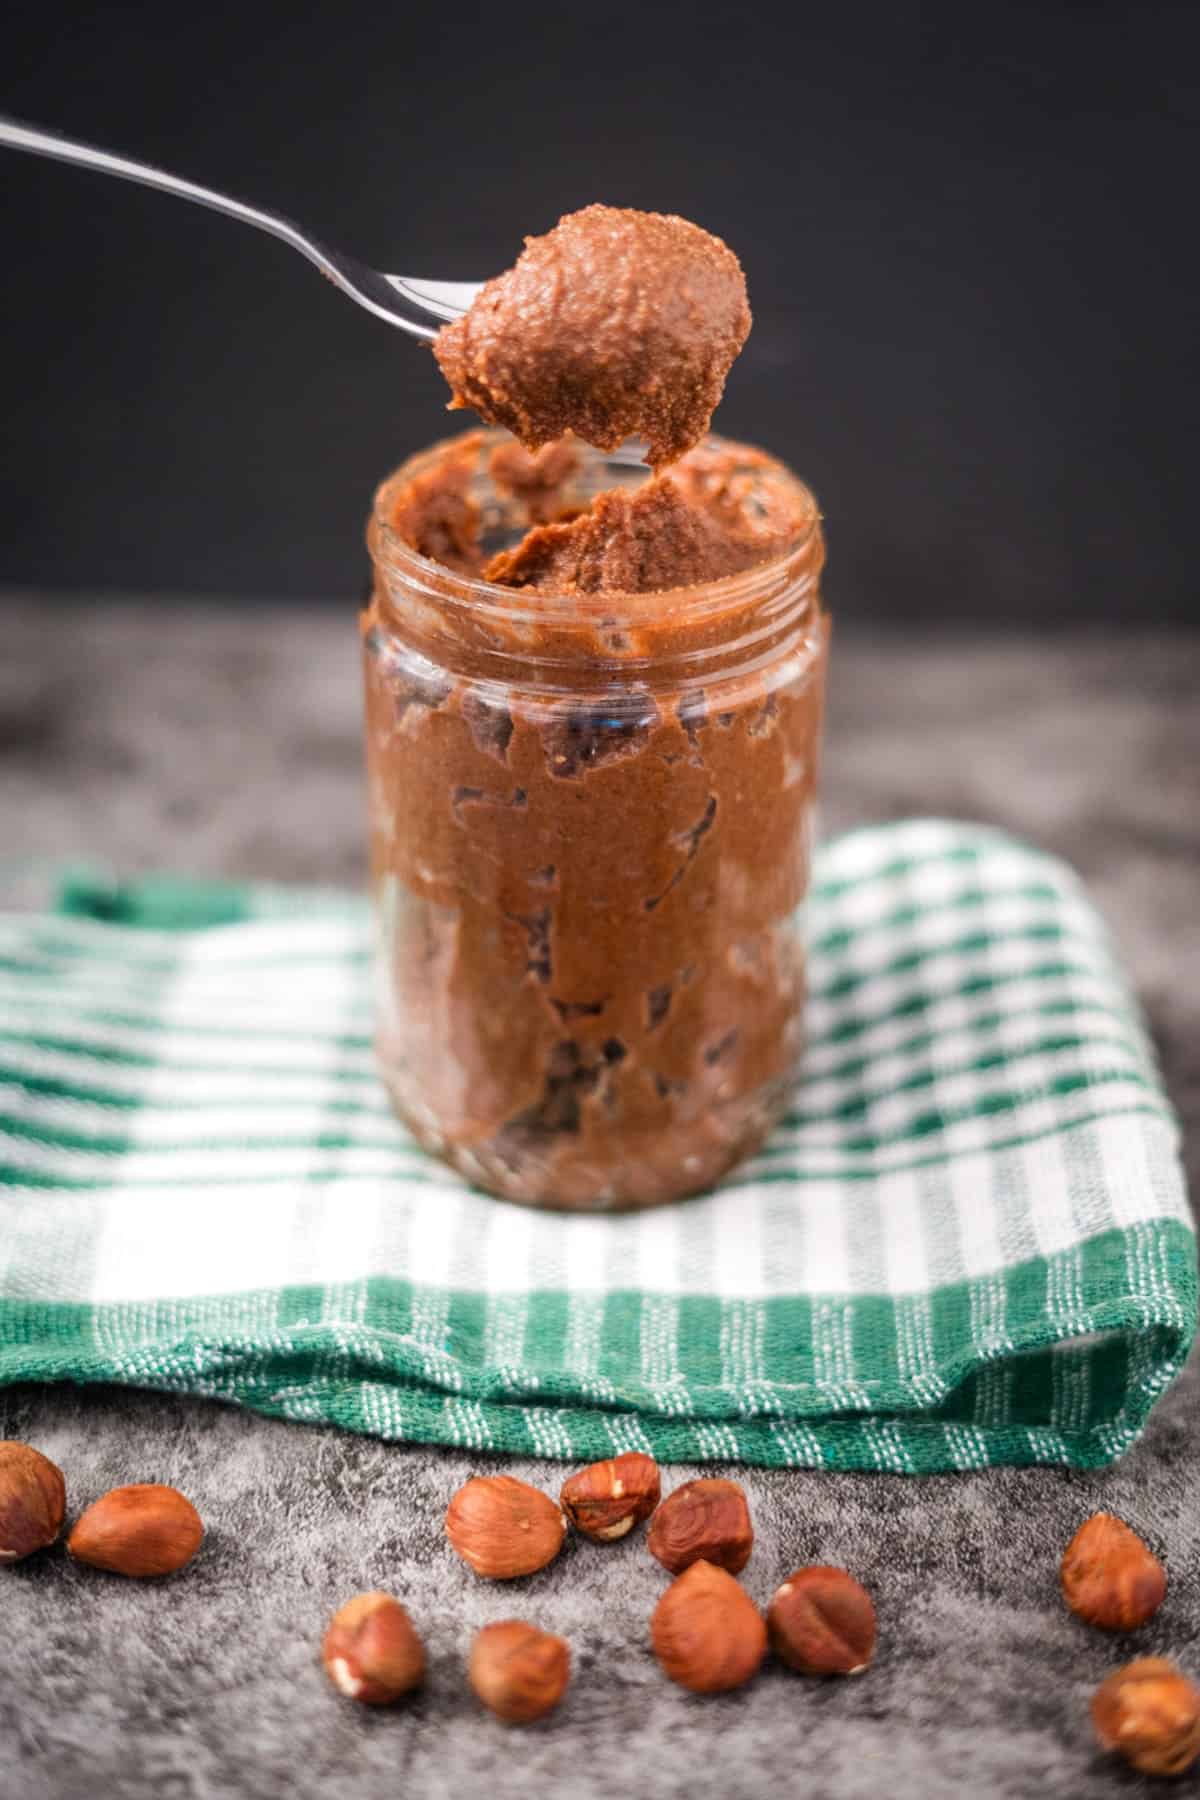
(968,1243)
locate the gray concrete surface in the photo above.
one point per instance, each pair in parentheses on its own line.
(224,740)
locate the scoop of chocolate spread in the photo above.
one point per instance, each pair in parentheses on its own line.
(615,324)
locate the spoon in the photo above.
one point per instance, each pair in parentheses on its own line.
(418,307)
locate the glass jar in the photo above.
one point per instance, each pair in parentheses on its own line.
(591,824)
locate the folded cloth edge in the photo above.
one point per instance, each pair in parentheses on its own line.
(339,1373)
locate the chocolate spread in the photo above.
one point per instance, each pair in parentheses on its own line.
(539,479)
(591,789)
(615,324)
(678,530)
(593,721)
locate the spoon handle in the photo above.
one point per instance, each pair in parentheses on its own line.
(372,290)
(70,150)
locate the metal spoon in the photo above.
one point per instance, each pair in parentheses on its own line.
(418,307)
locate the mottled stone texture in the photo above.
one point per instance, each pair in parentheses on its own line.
(224,741)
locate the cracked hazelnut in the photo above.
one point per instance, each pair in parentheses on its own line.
(608,1499)
(702,1521)
(1150,1712)
(822,1622)
(33,1501)
(503,1527)
(141,1530)
(706,1631)
(371,1652)
(518,1671)
(1109,1576)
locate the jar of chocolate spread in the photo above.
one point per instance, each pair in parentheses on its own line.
(594,706)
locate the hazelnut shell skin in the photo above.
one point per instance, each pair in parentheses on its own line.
(1149,1711)
(606,1500)
(33,1501)
(1109,1577)
(707,1633)
(371,1651)
(503,1528)
(519,1672)
(140,1531)
(822,1622)
(703,1521)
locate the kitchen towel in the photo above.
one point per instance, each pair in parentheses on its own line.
(968,1242)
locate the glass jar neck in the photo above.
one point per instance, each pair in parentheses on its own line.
(553,643)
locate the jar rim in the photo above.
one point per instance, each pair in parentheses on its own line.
(517,606)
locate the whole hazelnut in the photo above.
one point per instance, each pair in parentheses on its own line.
(702,1521)
(518,1671)
(503,1527)
(1150,1712)
(1109,1576)
(707,1632)
(607,1499)
(371,1652)
(141,1530)
(822,1622)
(33,1501)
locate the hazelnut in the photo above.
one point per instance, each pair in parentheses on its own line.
(504,1527)
(141,1530)
(702,1521)
(1150,1712)
(1109,1577)
(822,1622)
(518,1671)
(371,1652)
(707,1632)
(608,1499)
(33,1501)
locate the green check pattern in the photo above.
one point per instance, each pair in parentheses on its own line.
(968,1243)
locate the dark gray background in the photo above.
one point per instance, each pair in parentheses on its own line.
(968,233)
